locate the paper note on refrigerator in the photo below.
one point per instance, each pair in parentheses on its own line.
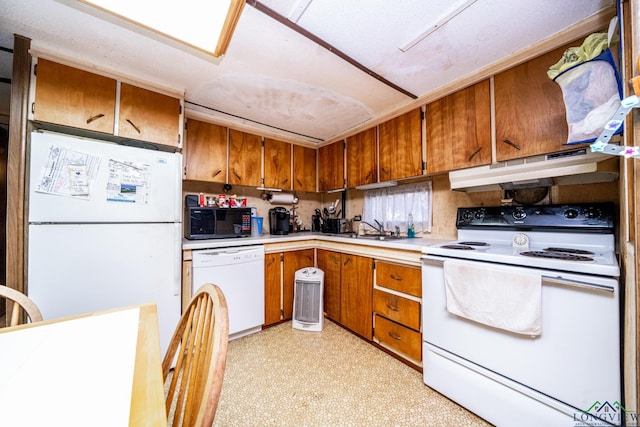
(68,173)
(128,182)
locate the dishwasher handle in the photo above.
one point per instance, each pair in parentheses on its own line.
(233,255)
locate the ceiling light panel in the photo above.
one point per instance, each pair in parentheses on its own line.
(198,23)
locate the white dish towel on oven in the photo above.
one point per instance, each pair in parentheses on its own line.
(498,296)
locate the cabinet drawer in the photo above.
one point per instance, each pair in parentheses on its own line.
(396,308)
(400,278)
(398,337)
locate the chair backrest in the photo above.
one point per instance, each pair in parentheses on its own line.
(21,302)
(197,353)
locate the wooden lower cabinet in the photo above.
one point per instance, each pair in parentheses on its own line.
(279,274)
(396,308)
(330,263)
(348,287)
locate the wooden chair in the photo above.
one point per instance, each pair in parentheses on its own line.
(21,302)
(193,367)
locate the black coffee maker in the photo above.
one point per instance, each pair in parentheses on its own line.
(279,219)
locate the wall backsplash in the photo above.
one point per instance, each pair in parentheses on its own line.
(445,201)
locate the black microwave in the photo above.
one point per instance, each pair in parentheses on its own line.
(216,223)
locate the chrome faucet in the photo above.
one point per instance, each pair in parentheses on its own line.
(379,228)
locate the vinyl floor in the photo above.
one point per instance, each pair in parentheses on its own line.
(288,377)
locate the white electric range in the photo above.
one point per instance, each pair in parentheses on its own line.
(521,315)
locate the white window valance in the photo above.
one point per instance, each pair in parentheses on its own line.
(392,206)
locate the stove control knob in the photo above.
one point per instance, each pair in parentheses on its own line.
(571,213)
(519,214)
(467,216)
(592,213)
(520,241)
(479,215)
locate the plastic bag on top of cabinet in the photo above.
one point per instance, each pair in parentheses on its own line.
(590,87)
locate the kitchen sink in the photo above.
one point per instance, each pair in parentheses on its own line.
(379,237)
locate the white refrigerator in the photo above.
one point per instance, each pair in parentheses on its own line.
(104,228)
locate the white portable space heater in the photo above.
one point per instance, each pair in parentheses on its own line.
(307,299)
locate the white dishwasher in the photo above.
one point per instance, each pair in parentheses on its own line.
(239,272)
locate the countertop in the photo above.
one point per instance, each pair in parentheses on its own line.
(403,243)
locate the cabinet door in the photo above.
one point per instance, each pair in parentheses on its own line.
(293,261)
(330,263)
(362,167)
(272,283)
(356,303)
(72,97)
(206,152)
(149,116)
(530,112)
(458,129)
(400,146)
(331,166)
(304,168)
(245,156)
(277,164)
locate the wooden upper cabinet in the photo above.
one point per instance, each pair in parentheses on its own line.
(458,129)
(400,146)
(149,116)
(72,97)
(362,167)
(277,164)
(245,157)
(331,166)
(206,152)
(304,168)
(530,112)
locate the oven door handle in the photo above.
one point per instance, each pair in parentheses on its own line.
(576,284)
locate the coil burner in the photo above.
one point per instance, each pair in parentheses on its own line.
(556,255)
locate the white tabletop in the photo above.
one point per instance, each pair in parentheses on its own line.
(77,372)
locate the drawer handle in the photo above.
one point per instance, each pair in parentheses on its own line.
(393,307)
(398,278)
(395,336)
(96,117)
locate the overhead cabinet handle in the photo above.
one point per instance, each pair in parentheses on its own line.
(474,154)
(134,126)
(96,117)
(511,143)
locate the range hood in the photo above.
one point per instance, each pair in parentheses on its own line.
(581,166)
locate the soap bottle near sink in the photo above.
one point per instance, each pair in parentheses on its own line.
(411,230)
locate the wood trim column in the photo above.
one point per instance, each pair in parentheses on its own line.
(16,163)
(631,319)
